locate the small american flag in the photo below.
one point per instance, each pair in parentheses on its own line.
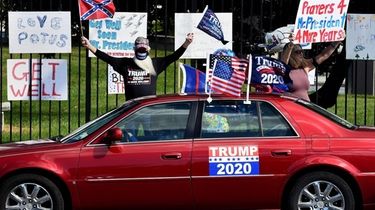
(96,9)
(228,75)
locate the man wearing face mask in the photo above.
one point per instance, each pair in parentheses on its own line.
(140,72)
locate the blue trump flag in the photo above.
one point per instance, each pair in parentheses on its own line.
(210,24)
(193,80)
(270,74)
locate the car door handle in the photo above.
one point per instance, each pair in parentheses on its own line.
(171,156)
(286,152)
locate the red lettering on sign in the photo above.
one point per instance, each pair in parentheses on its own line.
(341,6)
(24,75)
(317,9)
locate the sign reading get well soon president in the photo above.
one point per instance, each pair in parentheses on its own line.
(320,21)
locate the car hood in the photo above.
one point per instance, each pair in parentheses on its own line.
(366,128)
(365,132)
(26,145)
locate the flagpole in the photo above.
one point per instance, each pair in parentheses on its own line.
(206,90)
(80,20)
(209,99)
(249,72)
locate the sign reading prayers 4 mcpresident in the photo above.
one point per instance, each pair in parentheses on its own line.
(320,21)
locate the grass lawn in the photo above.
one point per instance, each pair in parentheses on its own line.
(34,119)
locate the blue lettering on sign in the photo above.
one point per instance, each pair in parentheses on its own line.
(42,20)
(96,24)
(123,45)
(114,25)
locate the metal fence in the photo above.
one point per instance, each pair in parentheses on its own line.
(87,94)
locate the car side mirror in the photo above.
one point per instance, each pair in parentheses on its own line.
(113,135)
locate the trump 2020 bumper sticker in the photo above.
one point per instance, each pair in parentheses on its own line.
(242,160)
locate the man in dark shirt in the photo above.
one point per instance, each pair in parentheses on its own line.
(140,72)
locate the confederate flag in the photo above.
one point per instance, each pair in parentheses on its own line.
(96,9)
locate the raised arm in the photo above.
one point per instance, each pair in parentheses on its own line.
(285,55)
(86,44)
(326,53)
(178,53)
(116,63)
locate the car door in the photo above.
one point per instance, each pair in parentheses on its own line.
(150,169)
(243,155)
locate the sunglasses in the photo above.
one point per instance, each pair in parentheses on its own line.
(298,51)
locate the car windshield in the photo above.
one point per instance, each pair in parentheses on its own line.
(326,114)
(92,126)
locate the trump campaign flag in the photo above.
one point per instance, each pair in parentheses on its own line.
(210,24)
(270,74)
(96,9)
(228,75)
(193,80)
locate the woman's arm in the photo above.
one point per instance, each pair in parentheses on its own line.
(285,55)
(326,53)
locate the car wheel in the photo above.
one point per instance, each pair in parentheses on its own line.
(30,191)
(321,191)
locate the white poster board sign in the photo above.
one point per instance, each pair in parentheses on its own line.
(320,21)
(48,78)
(203,44)
(115,36)
(115,82)
(360,39)
(39,32)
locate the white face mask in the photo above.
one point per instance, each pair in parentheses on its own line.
(141,55)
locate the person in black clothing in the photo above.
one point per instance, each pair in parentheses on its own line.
(140,72)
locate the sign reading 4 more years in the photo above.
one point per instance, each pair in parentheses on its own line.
(39,32)
(320,21)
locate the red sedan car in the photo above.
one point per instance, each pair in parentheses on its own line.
(182,152)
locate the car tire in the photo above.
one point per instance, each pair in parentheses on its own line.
(30,191)
(319,190)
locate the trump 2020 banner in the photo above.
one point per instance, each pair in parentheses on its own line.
(270,74)
(233,160)
(39,32)
(211,25)
(320,21)
(46,80)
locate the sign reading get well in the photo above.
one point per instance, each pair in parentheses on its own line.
(320,21)
(47,79)
(39,32)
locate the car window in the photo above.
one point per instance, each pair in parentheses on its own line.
(92,126)
(273,123)
(326,114)
(229,119)
(156,122)
(222,119)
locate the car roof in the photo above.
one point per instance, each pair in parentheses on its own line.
(199,96)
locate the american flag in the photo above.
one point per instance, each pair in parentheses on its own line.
(96,9)
(228,75)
